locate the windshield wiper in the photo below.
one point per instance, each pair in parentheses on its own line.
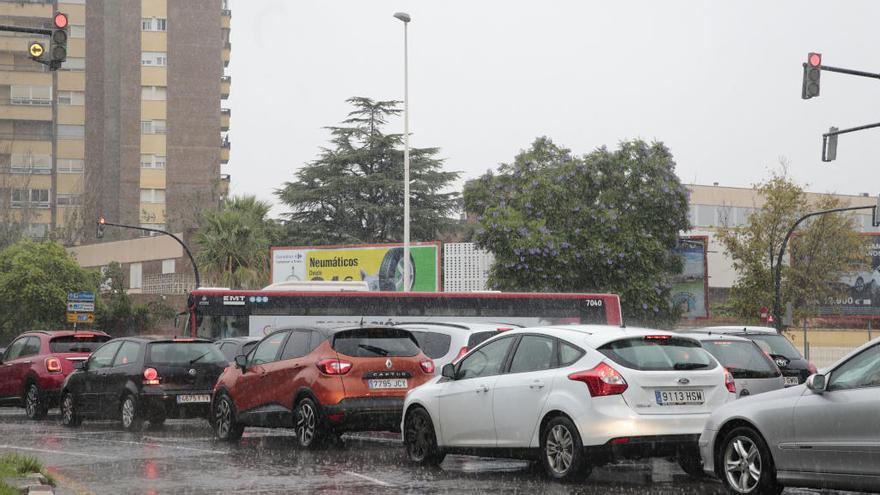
(689,366)
(373,349)
(200,357)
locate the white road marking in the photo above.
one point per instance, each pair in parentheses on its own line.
(47,451)
(152,444)
(374,480)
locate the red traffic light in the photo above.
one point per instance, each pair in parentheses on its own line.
(814,59)
(60,20)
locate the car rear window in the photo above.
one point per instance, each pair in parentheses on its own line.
(776,345)
(184,353)
(375,342)
(77,343)
(478,338)
(433,344)
(742,359)
(658,353)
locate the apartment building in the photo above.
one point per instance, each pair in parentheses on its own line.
(130,128)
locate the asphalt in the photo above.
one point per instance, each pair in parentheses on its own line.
(182,457)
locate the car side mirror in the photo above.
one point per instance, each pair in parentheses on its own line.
(241,362)
(448,371)
(79,365)
(817,383)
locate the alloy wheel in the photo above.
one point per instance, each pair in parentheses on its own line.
(559,449)
(32,401)
(128,412)
(223,418)
(419,437)
(742,464)
(67,412)
(305,423)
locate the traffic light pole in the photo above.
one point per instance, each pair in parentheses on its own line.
(829,140)
(851,72)
(777,278)
(182,244)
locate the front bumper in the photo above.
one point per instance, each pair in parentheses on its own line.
(365,414)
(156,402)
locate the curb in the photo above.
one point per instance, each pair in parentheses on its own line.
(33,483)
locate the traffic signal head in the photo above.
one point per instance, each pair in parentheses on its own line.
(36,50)
(99,233)
(60,20)
(58,48)
(812,71)
(829,146)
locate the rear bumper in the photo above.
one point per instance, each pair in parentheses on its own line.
(365,414)
(50,386)
(643,447)
(155,402)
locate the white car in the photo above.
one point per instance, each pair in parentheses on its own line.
(572,396)
(445,342)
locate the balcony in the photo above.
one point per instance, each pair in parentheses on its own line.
(225,18)
(39,8)
(26,109)
(223,187)
(225,86)
(225,115)
(224,150)
(227,52)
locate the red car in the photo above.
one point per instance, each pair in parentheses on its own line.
(35,364)
(320,382)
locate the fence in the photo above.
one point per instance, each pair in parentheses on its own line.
(167,283)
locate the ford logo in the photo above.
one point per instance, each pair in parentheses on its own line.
(683,381)
(389,364)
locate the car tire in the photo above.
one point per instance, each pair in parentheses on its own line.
(69,415)
(391,271)
(308,424)
(692,465)
(420,439)
(130,414)
(226,427)
(562,453)
(746,453)
(35,406)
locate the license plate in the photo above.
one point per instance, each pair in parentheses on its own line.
(193,399)
(791,381)
(387,383)
(678,397)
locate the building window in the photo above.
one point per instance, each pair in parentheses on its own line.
(152,127)
(67,199)
(67,131)
(30,164)
(152,161)
(72,98)
(135,275)
(71,165)
(37,230)
(157,93)
(36,198)
(30,95)
(154,59)
(159,226)
(77,31)
(153,24)
(155,196)
(167,266)
(74,63)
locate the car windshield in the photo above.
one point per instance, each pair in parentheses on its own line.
(85,342)
(184,353)
(478,338)
(375,342)
(742,359)
(658,353)
(776,345)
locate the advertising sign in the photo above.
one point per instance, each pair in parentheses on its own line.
(381,266)
(860,290)
(690,289)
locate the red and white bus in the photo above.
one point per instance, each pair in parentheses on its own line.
(222,313)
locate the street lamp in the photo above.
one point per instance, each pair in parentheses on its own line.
(407,269)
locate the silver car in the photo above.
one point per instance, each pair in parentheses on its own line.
(753,371)
(823,434)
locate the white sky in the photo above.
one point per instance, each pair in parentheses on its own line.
(718,82)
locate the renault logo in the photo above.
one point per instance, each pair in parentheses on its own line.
(781,362)
(388,364)
(192,372)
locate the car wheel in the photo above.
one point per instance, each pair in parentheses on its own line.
(225,426)
(562,452)
(308,424)
(34,405)
(131,417)
(69,416)
(692,465)
(420,440)
(746,464)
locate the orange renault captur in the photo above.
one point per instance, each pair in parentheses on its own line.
(321,382)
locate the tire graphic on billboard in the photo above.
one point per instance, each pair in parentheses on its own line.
(391,271)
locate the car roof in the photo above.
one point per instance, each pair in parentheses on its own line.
(737,329)
(457,325)
(238,339)
(65,333)
(160,338)
(704,337)
(594,335)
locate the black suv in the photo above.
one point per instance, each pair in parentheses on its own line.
(143,378)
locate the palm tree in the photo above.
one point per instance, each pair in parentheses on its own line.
(234,243)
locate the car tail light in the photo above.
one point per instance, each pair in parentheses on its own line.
(728,382)
(619,440)
(504,329)
(151,376)
(601,381)
(812,368)
(333,366)
(461,353)
(53,365)
(658,337)
(427,366)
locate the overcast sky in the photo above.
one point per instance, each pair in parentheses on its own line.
(718,82)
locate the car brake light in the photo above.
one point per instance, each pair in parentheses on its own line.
(180,339)
(151,376)
(53,365)
(658,337)
(427,366)
(729,382)
(619,440)
(333,366)
(602,380)
(812,368)
(504,329)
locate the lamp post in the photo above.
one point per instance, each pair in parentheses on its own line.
(407,269)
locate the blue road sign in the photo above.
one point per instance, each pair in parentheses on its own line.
(80,296)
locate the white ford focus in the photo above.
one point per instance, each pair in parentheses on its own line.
(572,396)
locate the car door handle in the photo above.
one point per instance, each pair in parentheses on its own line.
(482,388)
(537,384)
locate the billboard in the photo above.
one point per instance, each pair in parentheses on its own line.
(690,288)
(380,265)
(860,290)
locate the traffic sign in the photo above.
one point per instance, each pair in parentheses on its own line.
(80,296)
(81,307)
(80,317)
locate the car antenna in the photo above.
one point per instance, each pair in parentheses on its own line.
(362,321)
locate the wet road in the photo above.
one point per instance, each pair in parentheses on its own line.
(182,457)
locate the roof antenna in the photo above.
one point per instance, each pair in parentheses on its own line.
(362,321)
